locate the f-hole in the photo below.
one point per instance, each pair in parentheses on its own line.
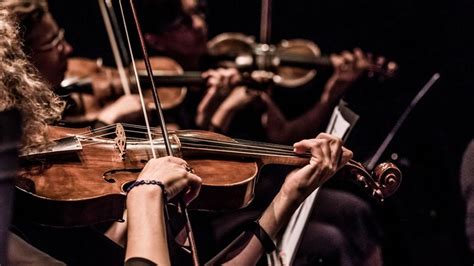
(107,176)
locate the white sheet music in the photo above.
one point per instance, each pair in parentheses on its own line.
(288,244)
(338,125)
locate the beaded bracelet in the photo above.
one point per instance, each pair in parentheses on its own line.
(149,182)
(263,237)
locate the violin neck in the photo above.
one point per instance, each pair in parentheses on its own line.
(266,153)
(165,78)
(320,63)
(75,84)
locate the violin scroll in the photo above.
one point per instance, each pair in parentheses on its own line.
(389,177)
(381,183)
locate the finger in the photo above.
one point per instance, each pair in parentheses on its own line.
(335,143)
(209,73)
(225,79)
(213,81)
(324,146)
(324,135)
(179,162)
(303,145)
(392,66)
(266,98)
(336,60)
(194,184)
(380,61)
(358,54)
(235,76)
(348,57)
(205,75)
(345,157)
(319,150)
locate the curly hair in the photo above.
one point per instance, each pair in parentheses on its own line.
(22,87)
(27,14)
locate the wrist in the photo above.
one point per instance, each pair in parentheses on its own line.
(334,90)
(265,239)
(289,198)
(277,214)
(147,189)
(146,192)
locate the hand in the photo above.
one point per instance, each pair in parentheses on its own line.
(348,67)
(219,85)
(172,172)
(328,156)
(238,99)
(106,84)
(126,109)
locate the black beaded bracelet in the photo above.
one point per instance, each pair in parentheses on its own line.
(149,182)
(263,237)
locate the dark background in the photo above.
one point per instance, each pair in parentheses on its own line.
(424,220)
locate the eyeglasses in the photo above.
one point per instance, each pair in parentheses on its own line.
(57,42)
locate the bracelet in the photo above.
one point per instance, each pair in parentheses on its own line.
(263,237)
(149,182)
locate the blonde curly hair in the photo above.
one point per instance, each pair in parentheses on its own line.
(27,13)
(22,87)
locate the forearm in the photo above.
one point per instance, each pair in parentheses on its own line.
(207,107)
(305,126)
(273,219)
(146,225)
(312,121)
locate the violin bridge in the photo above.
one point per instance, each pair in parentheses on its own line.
(120,141)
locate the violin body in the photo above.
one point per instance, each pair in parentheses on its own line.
(240,51)
(93,86)
(170,96)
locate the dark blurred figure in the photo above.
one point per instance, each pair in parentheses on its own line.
(467,186)
(10,132)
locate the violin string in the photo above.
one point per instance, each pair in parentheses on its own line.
(95,131)
(242,144)
(203,143)
(101,136)
(256,146)
(239,151)
(259,143)
(232,146)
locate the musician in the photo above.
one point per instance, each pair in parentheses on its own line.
(329,224)
(21,88)
(45,45)
(146,233)
(177,29)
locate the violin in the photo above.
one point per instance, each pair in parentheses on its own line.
(103,82)
(294,62)
(98,84)
(82,178)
